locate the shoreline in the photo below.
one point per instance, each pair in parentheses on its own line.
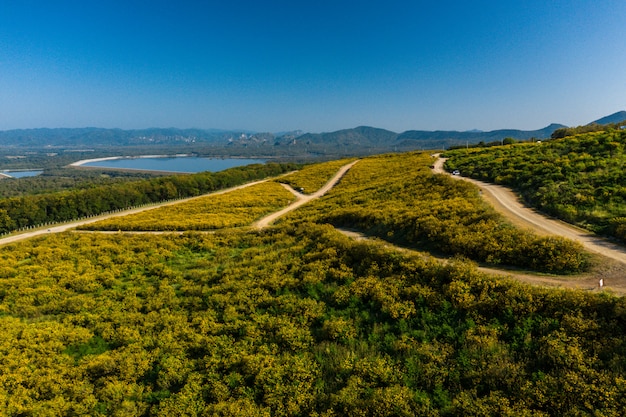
(81,164)
(112,158)
(6,173)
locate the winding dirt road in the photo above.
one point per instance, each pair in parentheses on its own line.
(613,271)
(508,203)
(264,222)
(303,198)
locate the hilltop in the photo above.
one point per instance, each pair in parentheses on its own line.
(577,178)
(451,138)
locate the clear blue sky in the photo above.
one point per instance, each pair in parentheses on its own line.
(318,66)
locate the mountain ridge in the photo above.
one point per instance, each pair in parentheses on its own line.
(358,140)
(616,117)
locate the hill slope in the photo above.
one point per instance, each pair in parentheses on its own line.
(617,117)
(99,137)
(578,178)
(449,138)
(300,320)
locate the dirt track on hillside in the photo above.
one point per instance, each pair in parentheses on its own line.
(74,224)
(303,198)
(264,222)
(612,265)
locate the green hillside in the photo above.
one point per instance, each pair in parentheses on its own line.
(579,178)
(298,319)
(397,198)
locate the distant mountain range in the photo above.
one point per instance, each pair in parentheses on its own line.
(359,140)
(451,138)
(99,137)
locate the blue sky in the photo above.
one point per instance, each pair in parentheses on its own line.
(317,66)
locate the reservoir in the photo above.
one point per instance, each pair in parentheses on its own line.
(21,173)
(182,164)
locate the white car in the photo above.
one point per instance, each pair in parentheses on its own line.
(456,172)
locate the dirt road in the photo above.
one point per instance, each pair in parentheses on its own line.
(303,198)
(613,271)
(72,225)
(510,205)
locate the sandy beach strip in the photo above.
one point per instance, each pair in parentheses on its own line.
(111,158)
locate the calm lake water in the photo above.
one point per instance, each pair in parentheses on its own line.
(22,174)
(184,164)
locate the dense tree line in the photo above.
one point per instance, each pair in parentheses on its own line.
(483,144)
(592,127)
(54,180)
(579,179)
(294,320)
(28,211)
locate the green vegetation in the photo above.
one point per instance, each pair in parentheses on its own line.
(55,180)
(482,144)
(579,179)
(298,319)
(234,209)
(592,127)
(397,198)
(36,210)
(313,177)
(291,321)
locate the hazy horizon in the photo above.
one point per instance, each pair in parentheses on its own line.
(249,131)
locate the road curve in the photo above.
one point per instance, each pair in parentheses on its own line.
(303,198)
(264,222)
(505,201)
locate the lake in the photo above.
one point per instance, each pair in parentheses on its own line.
(22,174)
(183,164)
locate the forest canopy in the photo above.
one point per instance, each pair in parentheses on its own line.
(295,320)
